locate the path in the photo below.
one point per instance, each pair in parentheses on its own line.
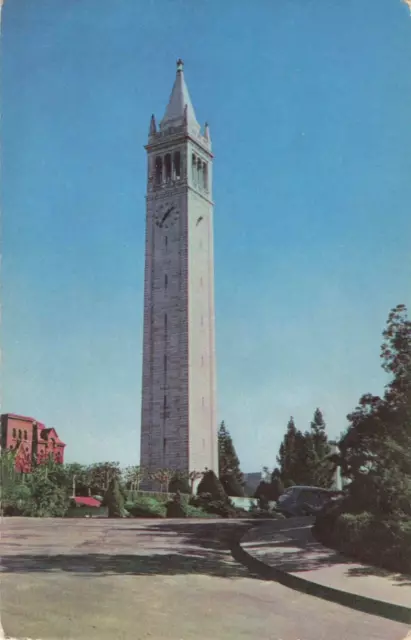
(289,545)
(163,580)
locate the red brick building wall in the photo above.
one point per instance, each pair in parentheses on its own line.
(31,439)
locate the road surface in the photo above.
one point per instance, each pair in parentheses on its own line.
(153,579)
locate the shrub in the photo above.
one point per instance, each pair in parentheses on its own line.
(114,500)
(175,507)
(370,538)
(179,482)
(146,507)
(47,500)
(231,486)
(196,512)
(15,500)
(223,508)
(211,485)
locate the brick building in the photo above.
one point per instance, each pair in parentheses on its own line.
(31,440)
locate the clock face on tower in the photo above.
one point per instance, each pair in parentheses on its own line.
(166,214)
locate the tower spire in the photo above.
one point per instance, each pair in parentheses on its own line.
(179,102)
(153,126)
(207,132)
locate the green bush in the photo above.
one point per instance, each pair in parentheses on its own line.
(175,507)
(146,507)
(196,512)
(179,482)
(223,508)
(47,500)
(179,507)
(231,486)
(114,500)
(211,485)
(15,500)
(370,538)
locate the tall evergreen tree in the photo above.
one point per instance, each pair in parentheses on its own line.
(229,470)
(286,458)
(114,499)
(321,470)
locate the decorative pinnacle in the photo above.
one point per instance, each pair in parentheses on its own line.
(180,65)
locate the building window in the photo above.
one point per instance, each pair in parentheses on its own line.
(25,435)
(166,240)
(203,444)
(19,434)
(205,176)
(159,170)
(167,167)
(165,281)
(202,361)
(165,363)
(165,321)
(14,433)
(165,443)
(194,169)
(177,165)
(201,281)
(199,173)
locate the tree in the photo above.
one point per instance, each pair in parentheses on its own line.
(179,483)
(228,464)
(163,477)
(113,499)
(318,451)
(211,485)
(376,448)
(277,486)
(286,458)
(48,498)
(133,476)
(101,474)
(78,479)
(211,496)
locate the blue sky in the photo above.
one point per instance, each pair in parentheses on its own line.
(309,108)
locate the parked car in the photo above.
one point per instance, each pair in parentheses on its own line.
(304,500)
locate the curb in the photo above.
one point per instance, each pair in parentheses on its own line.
(395,612)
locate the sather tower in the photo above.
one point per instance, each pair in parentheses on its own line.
(178,418)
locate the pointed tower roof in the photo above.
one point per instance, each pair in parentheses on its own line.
(180,109)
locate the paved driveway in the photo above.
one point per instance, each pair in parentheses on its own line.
(164,580)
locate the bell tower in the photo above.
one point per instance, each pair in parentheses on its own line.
(178,417)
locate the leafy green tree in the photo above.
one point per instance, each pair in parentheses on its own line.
(133,477)
(48,499)
(163,477)
(114,499)
(229,470)
(101,474)
(77,478)
(179,483)
(376,448)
